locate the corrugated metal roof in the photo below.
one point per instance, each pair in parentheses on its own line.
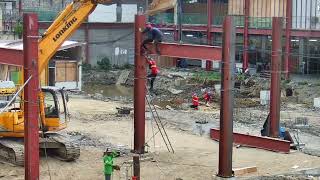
(18,45)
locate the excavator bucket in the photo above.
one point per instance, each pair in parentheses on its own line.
(160,5)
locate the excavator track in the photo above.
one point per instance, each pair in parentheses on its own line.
(69,150)
(12,151)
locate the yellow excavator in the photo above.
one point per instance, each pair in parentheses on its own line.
(52,101)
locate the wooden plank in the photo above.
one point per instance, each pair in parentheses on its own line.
(60,71)
(245,170)
(71,71)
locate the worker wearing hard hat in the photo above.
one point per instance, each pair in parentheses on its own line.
(195,101)
(153,35)
(108,157)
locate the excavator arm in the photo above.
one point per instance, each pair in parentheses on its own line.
(70,19)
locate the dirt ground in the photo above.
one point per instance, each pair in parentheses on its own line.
(96,124)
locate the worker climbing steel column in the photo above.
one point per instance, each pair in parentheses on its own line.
(153,73)
(153,35)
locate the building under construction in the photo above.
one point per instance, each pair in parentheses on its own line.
(249,113)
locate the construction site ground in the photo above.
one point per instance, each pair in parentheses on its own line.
(97,125)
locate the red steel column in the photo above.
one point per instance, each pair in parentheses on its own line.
(209,35)
(226,107)
(277,24)
(246,35)
(20,7)
(87,39)
(139,88)
(288,37)
(176,39)
(31,114)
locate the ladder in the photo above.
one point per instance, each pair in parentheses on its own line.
(159,124)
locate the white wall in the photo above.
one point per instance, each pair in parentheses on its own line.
(104,13)
(128,12)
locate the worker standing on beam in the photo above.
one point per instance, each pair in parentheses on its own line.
(153,35)
(153,72)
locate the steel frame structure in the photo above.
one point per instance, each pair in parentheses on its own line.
(167,49)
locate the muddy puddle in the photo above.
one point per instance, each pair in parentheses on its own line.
(109,90)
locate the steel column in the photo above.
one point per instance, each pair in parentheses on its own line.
(245,64)
(277,24)
(139,88)
(176,39)
(209,35)
(87,39)
(288,37)
(136,167)
(226,107)
(31,114)
(20,7)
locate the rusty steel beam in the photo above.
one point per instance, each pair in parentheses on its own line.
(288,37)
(266,143)
(203,52)
(11,57)
(245,63)
(277,24)
(209,34)
(139,88)
(31,113)
(239,30)
(226,110)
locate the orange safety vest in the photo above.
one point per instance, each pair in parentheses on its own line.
(195,100)
(154,68)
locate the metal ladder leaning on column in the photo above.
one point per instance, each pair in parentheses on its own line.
(159,123)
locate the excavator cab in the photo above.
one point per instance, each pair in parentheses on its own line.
(54,110)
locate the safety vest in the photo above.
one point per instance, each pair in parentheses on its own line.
(195,100)
(154,68)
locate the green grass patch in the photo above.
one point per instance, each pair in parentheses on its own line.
(204,76)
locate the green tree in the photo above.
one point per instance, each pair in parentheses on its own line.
(104,64)
(18,29)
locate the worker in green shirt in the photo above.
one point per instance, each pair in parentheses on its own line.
(108,157)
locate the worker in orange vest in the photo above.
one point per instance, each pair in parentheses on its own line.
(195,101)
(207,97)
(153,73)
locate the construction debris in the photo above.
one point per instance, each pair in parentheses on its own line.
(244,170)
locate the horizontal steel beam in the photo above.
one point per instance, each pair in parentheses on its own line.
(239,30)
(11,57)
(189,51)
(94,25)
(266,143)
